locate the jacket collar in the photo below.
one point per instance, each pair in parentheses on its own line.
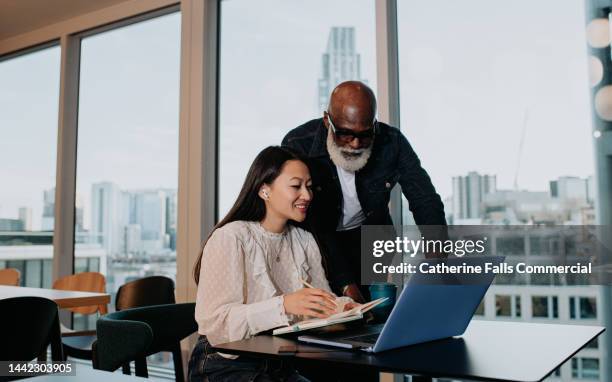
(319,145)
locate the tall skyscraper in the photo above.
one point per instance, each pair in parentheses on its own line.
(339,63)
(25,215)
(107,222)
(48,219)
(469,192)
(171,214)
(149,212)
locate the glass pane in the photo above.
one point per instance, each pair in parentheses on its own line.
(588,307)
(593,344)
(539,306)
(33,273)
(29,95)
(127,159)
(80,265)
(282,78)
(47,273)
(94,264)
(590,368)
(575,368)
(493,110)
(502,306)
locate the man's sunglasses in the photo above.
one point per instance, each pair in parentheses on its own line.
(347,136)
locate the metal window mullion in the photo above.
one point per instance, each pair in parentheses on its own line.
(387,76)
(197,142)
(65,176)
(197,136)
(387,69)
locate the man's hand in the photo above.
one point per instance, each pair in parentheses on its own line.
(352,291)
(311,302)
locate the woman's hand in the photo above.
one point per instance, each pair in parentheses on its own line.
(310,302)
(352,291)
(351,305)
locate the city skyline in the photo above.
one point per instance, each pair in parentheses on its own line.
(425,75)
(460,182)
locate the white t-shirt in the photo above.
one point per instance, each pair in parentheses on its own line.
(352,214)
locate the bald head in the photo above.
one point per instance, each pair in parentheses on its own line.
(353,105)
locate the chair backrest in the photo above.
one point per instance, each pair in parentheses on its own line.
(10,276)
(153,290)
(119,342)
(132,333)
(33,323)
(84,282)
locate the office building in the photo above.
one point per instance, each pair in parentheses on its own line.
(48,213)
(572,188)
(468,194)
(106,217)
(339,63)
(25,215)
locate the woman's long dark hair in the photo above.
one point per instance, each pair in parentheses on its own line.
(266,167)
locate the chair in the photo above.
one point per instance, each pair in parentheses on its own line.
(133,334)
(77,344)
(33,323)
(10,276)
(153,290)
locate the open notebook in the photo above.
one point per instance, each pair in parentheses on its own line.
(350,315)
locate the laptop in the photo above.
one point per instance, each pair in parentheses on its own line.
(430,307)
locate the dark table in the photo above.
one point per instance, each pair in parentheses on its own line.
(489,350)
(86,374)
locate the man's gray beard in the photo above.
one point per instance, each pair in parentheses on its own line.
(348,163)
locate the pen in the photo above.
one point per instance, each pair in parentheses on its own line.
(306,284)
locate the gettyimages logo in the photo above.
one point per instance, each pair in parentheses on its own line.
(404,245)
(555,255)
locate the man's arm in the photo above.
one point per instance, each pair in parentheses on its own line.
(423,200)
(425,204)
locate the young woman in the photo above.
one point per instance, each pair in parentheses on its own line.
(250,271)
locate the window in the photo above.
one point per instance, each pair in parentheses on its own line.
(478,108)
(508,306)
(545,306)
(510,246)
(583,307)
(480,311)
(585,368)
(476,96)
(127,153)
(29,92)
(282,78)
(593,344)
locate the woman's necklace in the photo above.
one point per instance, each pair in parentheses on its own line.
(279,247)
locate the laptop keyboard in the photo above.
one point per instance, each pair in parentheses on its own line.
(368,338)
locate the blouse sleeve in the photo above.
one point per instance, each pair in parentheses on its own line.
(313,254)
(221,312)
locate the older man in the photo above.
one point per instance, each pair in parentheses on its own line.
(355,162)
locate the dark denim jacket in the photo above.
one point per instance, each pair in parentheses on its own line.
(392,161)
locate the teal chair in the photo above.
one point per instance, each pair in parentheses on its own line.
(134,334)
(33,324)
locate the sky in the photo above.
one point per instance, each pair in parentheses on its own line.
(469,71)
